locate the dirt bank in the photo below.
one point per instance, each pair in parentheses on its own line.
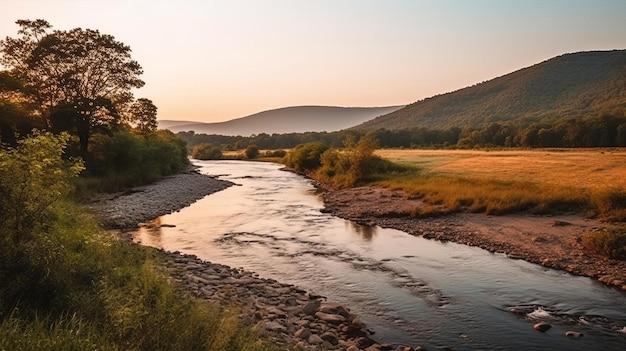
(551,241)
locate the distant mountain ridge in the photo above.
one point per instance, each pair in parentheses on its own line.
(567,86)
(285,120)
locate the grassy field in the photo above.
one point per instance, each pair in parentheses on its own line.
(513,180)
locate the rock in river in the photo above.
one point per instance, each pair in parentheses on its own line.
(573,334)
(542,327)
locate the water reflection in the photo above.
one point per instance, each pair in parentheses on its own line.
(150,233)
(366,232)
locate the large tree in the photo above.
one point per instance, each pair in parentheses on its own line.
(80,76)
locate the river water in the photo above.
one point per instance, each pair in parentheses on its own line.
(405,288)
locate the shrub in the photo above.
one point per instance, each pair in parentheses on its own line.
(206,152)
(609,242)
(125,159)
(252,152)
(356,163)
(305,157)
(275,153)
(33,176)
(611,204)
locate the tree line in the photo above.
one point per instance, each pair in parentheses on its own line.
(607,130)
(81,82)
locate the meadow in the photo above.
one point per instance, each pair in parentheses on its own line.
(501,181)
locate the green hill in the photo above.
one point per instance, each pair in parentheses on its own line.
(568,86)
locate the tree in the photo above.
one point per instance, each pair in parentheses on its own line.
(252,152)
(144,115)
(81,69)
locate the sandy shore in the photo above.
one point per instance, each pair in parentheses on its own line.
(285,314)
(551,241)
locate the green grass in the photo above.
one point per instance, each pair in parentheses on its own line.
(75,287)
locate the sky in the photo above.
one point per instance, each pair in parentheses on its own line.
(211,61)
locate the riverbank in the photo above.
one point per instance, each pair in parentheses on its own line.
(283,313)
(551,241)
(130,208)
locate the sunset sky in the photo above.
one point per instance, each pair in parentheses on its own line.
(218,60)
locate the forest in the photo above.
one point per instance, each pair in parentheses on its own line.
(606,130)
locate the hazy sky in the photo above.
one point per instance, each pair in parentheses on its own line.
(216,60)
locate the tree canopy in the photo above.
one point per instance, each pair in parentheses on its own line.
(79,78)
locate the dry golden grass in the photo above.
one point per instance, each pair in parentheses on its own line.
(519,180)
(572,168)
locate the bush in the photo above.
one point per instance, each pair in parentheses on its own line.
(356,163)
(610,243)
(611,204)
(206,152)
(125,159)
(275,153)
(305,157)
(33,176)
(252,152)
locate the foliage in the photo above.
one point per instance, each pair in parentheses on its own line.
(126,159)
(275,153)
(16,120)
(252,152)
(33,176)
(306,157)
(608,242)
(346,167)
(75,287)
(79,76)
(206,152)
(342,167)
(606,130)
(143,114)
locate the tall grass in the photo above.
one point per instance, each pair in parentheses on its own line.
(96,290)
(69,285)
(492,197)
(609,242)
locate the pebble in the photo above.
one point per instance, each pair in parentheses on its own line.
(315,339)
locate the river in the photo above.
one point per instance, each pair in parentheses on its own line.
(407,289)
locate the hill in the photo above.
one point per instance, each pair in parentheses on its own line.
(285,120)
(568,86)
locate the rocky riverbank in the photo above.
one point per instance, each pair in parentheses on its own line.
(551,241)
(141,204)
(285,314)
